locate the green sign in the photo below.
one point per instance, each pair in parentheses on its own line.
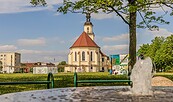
(115,59)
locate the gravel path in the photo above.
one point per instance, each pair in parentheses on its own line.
(161,81)
(89,94)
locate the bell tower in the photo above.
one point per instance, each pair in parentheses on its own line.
(88,27)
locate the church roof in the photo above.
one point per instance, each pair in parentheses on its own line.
(103,54)
(88,23)
(84,41)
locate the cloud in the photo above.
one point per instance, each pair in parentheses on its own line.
(43,56)
(56,40)
(31,42)
(162,32)
(15,6)
(24,51)
(101,16)
(158,8)
(116,38)
(7,48)
(115,49)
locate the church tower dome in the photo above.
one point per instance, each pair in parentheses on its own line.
(88,27)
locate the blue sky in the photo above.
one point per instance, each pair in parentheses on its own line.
(42,34)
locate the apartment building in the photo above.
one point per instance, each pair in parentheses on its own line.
(10,62)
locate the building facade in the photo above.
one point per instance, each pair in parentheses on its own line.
(44,68)
(10,62)
(39,68)
(85,54)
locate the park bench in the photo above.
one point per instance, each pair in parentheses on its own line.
(76,81)
(50,80)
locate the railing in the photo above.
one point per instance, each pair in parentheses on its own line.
(50,80)
(76,81)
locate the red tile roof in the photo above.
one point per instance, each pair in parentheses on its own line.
(84,41)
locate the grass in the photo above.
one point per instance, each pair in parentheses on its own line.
(62,80)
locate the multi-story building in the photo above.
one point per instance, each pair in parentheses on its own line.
(10,62)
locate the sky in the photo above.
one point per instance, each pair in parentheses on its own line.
(42,34)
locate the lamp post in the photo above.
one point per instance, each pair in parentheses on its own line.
(111,65)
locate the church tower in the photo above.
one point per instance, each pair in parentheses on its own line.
(88,27)
(85,55)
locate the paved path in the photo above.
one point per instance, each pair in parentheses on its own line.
(89,94)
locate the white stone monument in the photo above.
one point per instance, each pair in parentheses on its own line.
(141,77)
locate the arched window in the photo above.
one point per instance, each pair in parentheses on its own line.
(87,29)
(75,56)
(83,56)
(91,56)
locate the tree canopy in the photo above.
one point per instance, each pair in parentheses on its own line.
(61,69)
(160,51)
(121,8)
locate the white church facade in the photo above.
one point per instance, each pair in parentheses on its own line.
(85,54)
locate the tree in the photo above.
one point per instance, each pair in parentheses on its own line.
(164,56)
(150,50)
(155,46)
(61,69)
(126,9)
(161,52)
(143,49)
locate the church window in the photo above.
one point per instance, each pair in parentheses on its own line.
(75,56)
(87,29)
(102,59)
(103,68)
(91,56)
(83,56)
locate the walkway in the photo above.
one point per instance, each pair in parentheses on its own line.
(89,94)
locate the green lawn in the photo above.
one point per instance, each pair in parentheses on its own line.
(61,80)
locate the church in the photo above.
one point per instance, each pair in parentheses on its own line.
(85,54)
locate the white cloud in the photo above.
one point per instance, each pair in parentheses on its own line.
(115,49)
(158,8)
(14,6)
(31,42)
(43,56)
(116,38)
(101,16)
(162,32)
(7,48)
(24,51)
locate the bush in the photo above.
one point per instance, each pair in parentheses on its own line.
(168,69)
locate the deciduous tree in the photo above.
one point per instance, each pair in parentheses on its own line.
(61,69)
(161,52)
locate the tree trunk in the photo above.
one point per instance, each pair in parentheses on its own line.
(132,44)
